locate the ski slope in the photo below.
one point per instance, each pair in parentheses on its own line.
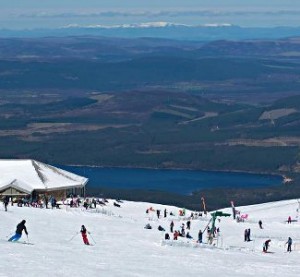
(122,247)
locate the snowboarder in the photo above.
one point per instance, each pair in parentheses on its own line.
(200,236)
(20,227)
(289,221)
(171,226)
(188,225)
(84,232)
(289,243)
(260,224)
(266,246)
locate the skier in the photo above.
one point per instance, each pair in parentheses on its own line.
(260,224)
(200,236)
(289,243)
(84,235)
(171,226)
(289,221)
(20,227)
(266,246)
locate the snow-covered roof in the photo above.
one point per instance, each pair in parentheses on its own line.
(29,175)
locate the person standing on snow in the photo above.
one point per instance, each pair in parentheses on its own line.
(165,212)
(200,234)
(171,226)
(84,232)
(188,225)
(289,243)
(5,202)
(260,224)
(289,221)
(246,235)
(20,227)
(158,213)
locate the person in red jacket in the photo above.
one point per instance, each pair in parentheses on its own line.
(84,235)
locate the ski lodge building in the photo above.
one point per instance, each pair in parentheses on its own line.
(21,178)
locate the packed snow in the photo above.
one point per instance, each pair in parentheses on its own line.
(122,247)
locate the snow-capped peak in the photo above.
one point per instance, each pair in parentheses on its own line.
(158,24)
(217,25)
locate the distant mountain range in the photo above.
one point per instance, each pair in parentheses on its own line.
(208,32)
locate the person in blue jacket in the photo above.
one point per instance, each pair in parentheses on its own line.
(20,228)
(289,243)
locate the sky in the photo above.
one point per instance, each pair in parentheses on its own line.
(30,14)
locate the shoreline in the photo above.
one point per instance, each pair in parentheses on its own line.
(285,179)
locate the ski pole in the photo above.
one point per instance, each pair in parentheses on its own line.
(92,238)
(73,236)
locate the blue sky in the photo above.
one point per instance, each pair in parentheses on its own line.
(19,14)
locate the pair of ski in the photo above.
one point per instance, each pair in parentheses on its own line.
(22,242)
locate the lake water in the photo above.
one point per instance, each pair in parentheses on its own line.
(178,181)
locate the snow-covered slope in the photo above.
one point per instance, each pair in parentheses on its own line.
(122,247)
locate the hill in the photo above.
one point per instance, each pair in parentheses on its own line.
(121,245)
